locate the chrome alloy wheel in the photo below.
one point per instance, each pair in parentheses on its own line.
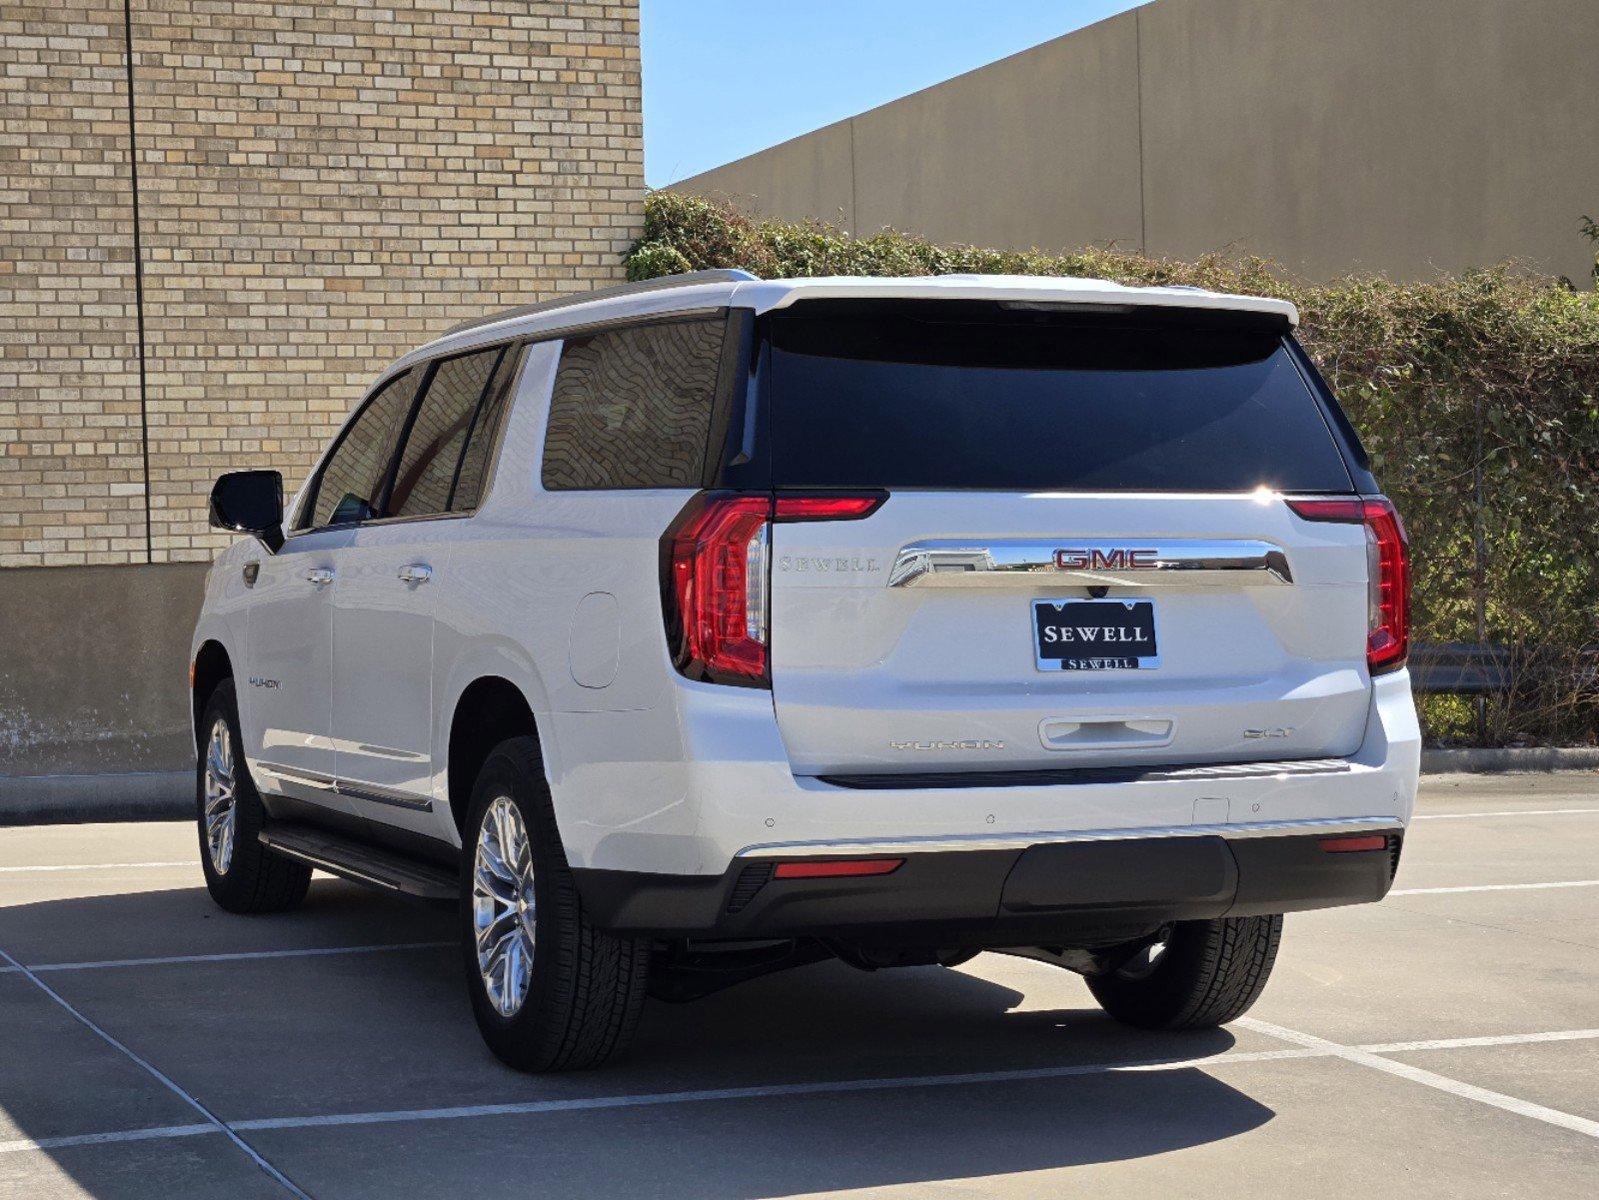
(221,797)
(503,907)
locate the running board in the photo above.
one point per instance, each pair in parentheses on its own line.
(360,863)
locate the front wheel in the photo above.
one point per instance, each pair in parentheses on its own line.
(550,991)
(1202,974)
(241,874)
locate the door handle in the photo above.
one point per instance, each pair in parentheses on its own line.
(416,573)
(319,576)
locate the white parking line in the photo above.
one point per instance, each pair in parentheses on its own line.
(231,956)
(1509,1039)
(1308,1048)
(1519,812)
(1494,887)
(1466,1091)
(160,1078)
(134,866)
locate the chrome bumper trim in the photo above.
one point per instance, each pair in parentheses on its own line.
(1021,841)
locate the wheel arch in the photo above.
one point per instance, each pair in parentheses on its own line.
(489,710)
(212,665)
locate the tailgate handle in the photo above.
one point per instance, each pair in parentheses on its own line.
(1104,733)
(1072,561)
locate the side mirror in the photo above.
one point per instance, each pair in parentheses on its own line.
(250,502)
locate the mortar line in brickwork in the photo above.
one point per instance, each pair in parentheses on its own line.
(138,279)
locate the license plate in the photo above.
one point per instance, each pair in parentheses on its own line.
(1095,635)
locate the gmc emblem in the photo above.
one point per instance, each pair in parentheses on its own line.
(1103,560)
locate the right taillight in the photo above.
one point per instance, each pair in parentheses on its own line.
(1388,572)
(716,575)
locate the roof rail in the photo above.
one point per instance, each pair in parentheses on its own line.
(689,279)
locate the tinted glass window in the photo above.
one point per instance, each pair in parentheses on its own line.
(433,447)
(475,462)
(631,408)
(977,396)
(353,477)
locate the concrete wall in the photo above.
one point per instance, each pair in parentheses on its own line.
(1403,136)
(93,668)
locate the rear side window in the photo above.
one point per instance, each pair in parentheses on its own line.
(352,478)
(474,469)
(429,466)
(631,408)
(948,395)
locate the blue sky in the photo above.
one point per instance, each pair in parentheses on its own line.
(724,78)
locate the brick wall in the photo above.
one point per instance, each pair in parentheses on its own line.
(71,455)
(321,186)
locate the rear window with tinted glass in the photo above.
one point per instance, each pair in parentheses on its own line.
(954,395)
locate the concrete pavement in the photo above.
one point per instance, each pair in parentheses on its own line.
(1443,1043)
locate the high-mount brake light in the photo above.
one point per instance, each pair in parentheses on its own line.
(1388,573)
(717,569)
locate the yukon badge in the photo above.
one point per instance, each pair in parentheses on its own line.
(965,744)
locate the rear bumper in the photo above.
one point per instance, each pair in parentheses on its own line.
(1063,893)
(690,787)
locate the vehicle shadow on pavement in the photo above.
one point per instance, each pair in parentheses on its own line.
(380,1031)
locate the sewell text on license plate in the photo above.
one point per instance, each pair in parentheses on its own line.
(1095,635)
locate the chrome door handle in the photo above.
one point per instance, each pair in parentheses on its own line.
(319,576)
(416,573)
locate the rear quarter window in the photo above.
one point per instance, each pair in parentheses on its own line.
(631,408)
(951,395)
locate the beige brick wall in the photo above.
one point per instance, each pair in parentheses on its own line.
(71,458)
(321,186)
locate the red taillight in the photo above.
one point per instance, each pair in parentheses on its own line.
(1388,556)
(717,575)
(718,589)
(837,868)
(828,508)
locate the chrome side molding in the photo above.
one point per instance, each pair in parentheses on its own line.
(338,787)
(1081,563)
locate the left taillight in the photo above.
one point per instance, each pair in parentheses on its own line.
(1388,572)
(716,576)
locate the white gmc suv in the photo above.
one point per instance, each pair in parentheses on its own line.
(691,630)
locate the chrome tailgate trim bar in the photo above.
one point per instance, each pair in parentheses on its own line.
(1080,563)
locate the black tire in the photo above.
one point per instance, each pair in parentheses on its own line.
(1209,973)
(253,879)
(585,987)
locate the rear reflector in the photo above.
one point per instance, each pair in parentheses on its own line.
(1355,845)
(837,868)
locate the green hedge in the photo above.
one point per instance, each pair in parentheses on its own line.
(1477,395)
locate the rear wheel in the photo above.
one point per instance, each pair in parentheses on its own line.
(550,992)
(241,874)
(1203,974)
